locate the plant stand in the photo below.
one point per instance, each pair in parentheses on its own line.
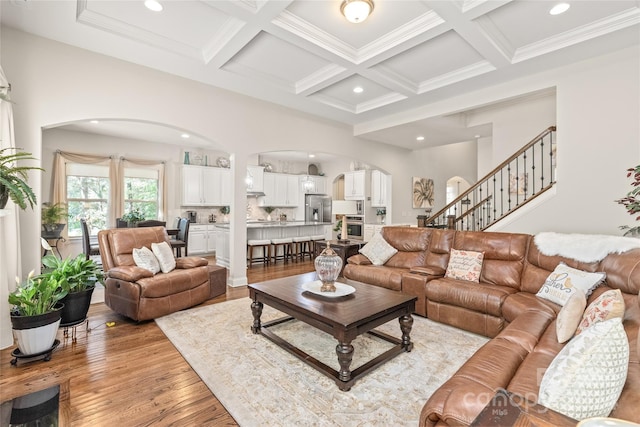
(45,355)
(74,326)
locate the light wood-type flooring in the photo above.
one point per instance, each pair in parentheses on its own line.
(128,374)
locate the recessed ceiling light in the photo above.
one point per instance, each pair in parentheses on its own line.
(476,136)
(95,122)
(185,136)
(559,8)
(358,89)
(420,138)
(311,156)
(153,5)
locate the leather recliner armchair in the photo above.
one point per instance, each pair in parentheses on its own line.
(137,293)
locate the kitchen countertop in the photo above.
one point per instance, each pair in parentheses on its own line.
(275,224)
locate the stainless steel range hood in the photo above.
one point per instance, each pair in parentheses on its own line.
(255,193)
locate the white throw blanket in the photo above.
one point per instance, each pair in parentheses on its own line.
(583,247)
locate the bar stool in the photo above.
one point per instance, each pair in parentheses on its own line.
(286,244)
(302,247)
(312,244)
(266,251)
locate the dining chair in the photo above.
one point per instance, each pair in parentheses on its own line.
(88,248)
(182,237)
(121,224)
(152,223)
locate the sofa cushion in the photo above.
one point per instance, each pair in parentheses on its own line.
(464,265)
(383,276)
(144,258)
(412,244)
(480,297)
(587,376)
(378,250)
(518,303)
(164,253)
(607,306)
(564,281)
(570,316)
(174,282)
(359,259)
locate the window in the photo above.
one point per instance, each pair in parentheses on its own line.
(141,191)
(87,196)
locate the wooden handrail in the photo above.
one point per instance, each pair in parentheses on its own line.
(495,170)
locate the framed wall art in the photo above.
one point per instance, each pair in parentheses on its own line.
(423,192)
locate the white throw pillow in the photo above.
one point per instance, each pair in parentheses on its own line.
(564,281)
(465,265)
(378,250)
(586,378)
(144,258)
(570,316)
(164,253)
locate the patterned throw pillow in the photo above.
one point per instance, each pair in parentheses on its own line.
(164,253)
(465,265)
(378,250)
(586,378)
(607,306)
(144,258)
(564,281)
(570,316)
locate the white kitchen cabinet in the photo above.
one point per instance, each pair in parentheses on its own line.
(378,189)
(202,239)
(318,184)
(354,185)
(281,190)
(205,186)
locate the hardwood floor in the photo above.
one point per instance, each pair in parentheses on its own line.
(128,374)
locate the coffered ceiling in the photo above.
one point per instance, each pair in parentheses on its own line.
(305,55)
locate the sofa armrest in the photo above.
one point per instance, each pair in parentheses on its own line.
(428,271)
(129,273)
(190,262)
(358,259)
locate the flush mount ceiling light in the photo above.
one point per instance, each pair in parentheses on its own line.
(356,11)
(153,5)
(559,8)
(358,89)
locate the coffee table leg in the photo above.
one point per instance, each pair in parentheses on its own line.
(406,322)
(345,355)
(256,309)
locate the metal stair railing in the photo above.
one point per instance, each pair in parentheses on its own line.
(525,175)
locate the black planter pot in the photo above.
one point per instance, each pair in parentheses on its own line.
(52,231)
(30,322)
(76,306)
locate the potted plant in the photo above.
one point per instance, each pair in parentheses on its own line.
(631,201)
(13,179)
(268,210)
(77,277)
(133,217)
(381,214)
(36,311)
(225,211)
(53,219)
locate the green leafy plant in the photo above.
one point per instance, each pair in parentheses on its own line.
(225,210)
(338,226)
(269,209)
(133,216)
(631,201)
(54,213)
(13,179)
(73,275)
(36,295)
(381,212)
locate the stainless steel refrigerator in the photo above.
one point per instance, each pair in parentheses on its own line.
(317,207)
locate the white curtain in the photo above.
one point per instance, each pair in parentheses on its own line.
(9,225)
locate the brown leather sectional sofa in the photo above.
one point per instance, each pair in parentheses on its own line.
(502,306)
(137,293)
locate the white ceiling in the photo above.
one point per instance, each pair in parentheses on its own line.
(304,55)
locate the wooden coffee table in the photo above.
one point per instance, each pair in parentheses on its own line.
(344,318)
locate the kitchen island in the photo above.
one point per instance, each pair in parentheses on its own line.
(259,230)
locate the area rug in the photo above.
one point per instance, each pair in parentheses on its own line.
(262,385)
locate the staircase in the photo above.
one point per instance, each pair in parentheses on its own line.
(525,175)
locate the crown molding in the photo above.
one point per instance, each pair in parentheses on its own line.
(221,39)
(455,76)
(322,78)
